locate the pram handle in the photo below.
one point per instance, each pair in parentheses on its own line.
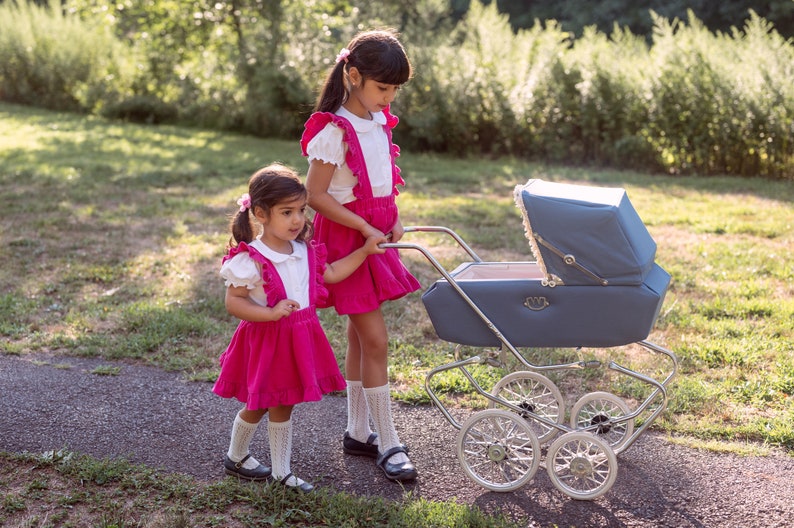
(435,229)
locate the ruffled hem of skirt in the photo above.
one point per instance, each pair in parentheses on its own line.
(264,400)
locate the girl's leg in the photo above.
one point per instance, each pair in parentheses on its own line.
(373,339)
(279,429)
(238,461)
(358,427)
(369,332)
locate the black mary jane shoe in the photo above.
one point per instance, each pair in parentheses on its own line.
(351,446)
(402,471)
(304,487)
(236,469)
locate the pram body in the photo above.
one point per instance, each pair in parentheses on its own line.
(530,314)
(593,283)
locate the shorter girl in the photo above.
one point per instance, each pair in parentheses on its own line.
(279,354)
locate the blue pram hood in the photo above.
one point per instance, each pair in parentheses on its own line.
(584,235)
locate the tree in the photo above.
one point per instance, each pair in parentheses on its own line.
(574,15)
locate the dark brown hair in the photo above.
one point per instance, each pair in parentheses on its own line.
(268,187)
(378,55)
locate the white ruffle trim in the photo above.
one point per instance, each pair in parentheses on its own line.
(236,284)
(241,270)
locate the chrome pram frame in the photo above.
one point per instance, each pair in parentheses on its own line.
(501,448)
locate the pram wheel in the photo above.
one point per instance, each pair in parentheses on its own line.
(594,411)
(581,465)
(498,450)
(536,394)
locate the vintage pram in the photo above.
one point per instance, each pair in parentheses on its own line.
(594,283)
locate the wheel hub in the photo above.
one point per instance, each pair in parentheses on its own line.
(602,423)
(496,453)
(581,467)
(528,408)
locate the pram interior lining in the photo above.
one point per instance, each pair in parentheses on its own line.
(497,271)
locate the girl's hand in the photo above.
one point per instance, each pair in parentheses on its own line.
(284,308)
(370,231)
(397,232)
(372,247)
(240,305)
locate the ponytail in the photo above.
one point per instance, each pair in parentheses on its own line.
(242,228)
(334,93)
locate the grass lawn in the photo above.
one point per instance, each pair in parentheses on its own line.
(112,236)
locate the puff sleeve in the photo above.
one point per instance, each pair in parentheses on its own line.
(241,270)
(327,146)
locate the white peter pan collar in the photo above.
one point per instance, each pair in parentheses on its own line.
(362,125)
(298,251)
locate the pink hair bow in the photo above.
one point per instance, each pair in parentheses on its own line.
(343,55)
(244,202)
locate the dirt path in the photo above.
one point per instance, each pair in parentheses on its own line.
(152,417)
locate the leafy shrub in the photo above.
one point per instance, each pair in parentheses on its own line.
(691,101)
(142,109)
(56,61)
(722,104)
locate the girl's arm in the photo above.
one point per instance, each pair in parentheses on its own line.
(317,181)
(342,268)
(240,305)
(397,231)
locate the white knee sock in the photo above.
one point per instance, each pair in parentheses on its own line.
(242,434)
(280,434)
(379,400)
(357,412)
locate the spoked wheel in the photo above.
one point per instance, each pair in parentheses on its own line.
(535,394)
(498,450)
(597,409)
(581,465)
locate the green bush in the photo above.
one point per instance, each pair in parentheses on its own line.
(56,61)
(722,104)
(690,102)
(612,109)
(141,109)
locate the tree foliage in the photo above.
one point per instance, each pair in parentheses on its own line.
(575,15)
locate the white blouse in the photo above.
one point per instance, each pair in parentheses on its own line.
(242,270)
(328,147)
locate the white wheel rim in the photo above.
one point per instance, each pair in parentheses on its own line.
(498,450)
(581,465)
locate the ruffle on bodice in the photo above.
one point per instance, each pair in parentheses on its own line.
(354,156)
(317,255)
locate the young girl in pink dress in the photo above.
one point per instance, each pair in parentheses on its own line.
(279,354)
(352,183)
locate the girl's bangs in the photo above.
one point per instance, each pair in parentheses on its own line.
(394,69)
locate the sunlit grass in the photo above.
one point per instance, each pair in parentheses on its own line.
(112,236)
(62,488)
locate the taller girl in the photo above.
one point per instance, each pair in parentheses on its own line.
(352,184)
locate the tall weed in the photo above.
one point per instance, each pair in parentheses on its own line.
(722,104)
(57,61)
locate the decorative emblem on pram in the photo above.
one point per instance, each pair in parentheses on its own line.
(536,304)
